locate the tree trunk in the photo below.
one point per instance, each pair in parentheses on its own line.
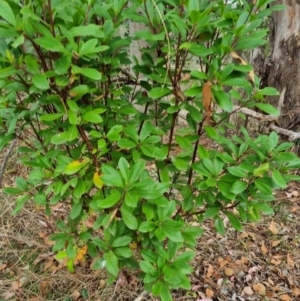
(278,64)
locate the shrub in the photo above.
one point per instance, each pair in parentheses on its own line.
(132,179)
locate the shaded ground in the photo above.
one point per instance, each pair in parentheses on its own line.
(261,263)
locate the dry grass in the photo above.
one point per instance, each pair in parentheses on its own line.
(225,267)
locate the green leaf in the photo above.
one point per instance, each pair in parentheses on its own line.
(159,92)
(129,219)
(219,225)
(235,222)
(238,187)
(263,207)
(50,44)
(111,176)
(87,30)
(237,171)
(180,164)
(124,169)
(131,199)
(261,169)
(263,185)
(165,293)
(7,14)
(211,132)
(121,241)
(91,73)
(20,203)
(126,143)
(172,230)
(269,91)
(51,117)
(269,109)
(6,72)
(62,64)
(278,179)
(111,200)
(223,100)
(40,199)
(92,116)
(76,210)
(60,138)
(236,82)
(147,267)
(40,81)
(112,263)
(147,226)
(273,141)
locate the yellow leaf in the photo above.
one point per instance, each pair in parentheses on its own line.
(97,180)
(75,166)
(80,254)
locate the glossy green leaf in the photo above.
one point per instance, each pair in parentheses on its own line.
(112,263)
(278,179)
(110,200)
(234,221)
(50,44)
(7,14)
(40,81)
(92,116)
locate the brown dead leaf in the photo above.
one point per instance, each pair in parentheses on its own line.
(243,62)
(247,290)
(42,234)
(8,295)
(276,261)
(102,283)
(49,263)
(275,243)
(243,235)
(273,228)
(45,287)
(259,288)
(296,291)
(222,262)
(15,285)
(210,271)
(285,297)
(76,295)
(229,272)
(3,266)
(264,248)
(290,261)
(209,293)
(207,98)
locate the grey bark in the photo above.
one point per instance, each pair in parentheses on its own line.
(280,66)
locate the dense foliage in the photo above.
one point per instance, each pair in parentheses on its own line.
(137,185)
